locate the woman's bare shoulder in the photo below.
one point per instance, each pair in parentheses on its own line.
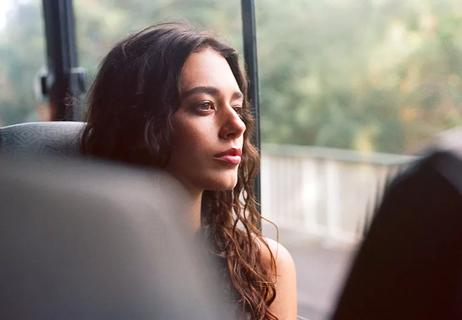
(278,250)
(285,304)
(280,253)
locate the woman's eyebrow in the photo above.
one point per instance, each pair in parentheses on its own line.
(201,89)
(208,90)
(237,95)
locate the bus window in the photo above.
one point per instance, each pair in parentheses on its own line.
(350,91)
(22,53)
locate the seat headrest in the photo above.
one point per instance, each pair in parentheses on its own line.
(57,137)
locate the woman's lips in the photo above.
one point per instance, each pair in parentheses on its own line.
(231,156)
(233,160)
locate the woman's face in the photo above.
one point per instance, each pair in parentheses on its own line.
(208,132)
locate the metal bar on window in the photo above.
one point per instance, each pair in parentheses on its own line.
(64,81)
(251,62)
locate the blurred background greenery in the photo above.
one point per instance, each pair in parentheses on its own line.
(368,75)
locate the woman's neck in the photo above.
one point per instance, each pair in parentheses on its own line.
(193,205)
(195,213)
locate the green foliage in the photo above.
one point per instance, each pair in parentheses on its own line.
(371,74)
(368,75)
(21,54)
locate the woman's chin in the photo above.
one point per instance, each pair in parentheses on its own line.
(210,182)
(222,184)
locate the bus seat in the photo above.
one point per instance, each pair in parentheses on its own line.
(53,137)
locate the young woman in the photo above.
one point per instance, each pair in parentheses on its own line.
(175,98)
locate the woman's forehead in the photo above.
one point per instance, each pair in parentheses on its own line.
(207,68)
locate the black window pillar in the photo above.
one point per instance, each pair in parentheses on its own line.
(64,81)
(251,62)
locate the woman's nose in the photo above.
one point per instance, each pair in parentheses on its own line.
(233,126)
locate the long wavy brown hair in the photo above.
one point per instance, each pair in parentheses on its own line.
(131,104)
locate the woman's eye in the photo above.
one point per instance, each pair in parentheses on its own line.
(205,106)
(239,110)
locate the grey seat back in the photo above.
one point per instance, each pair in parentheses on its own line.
(90,240)
(57,137)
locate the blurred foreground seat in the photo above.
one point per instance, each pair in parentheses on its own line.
(410,263)
(97,241)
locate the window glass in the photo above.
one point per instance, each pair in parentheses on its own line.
(350,90)
(22,53)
